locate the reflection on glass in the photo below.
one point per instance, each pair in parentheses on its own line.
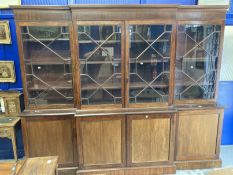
(48,65)
(100,64)
(149,63)
(196,61)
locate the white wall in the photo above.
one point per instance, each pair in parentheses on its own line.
(227,59)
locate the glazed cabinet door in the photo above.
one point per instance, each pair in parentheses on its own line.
(197,62)
(50,136)
(149,50)
(46,64)
(198,134)
(101,141)
(150,139)
(100,58)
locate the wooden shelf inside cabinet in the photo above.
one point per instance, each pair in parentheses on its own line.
(197,59)
(118,41)
(118,86)
(47,61)
(51,98)
(99,41)
(181,82)
(47,39)
(53,84)
(149,41)
(117,61)
(149,60)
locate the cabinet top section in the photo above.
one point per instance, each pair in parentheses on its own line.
(125,6)
(119,12)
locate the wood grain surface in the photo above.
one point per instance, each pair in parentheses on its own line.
(39,166)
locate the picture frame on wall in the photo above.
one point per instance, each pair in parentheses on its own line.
(7,72)
(6,3)
(5,36)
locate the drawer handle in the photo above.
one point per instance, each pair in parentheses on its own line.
(147,116)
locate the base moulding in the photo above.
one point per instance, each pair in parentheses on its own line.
(198,164)
(152,170)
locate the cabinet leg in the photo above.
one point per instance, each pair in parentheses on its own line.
(13,139)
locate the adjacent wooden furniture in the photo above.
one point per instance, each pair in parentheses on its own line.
(30,166)
(39,166)
(122,89)
(11,168)
(7,130)
(11,102)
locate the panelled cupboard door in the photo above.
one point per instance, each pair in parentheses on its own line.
(149,139)
(198,135)
(100,57)
(50,136)
(103,141)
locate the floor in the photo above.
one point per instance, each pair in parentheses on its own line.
(226,156)
(227,161)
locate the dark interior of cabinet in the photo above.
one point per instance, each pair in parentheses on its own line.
(47,58)
(48,65)
(149,63)
(100,63)
(196,61)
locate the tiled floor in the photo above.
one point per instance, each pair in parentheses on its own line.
(227,161)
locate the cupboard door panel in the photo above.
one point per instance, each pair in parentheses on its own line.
(149,139)
(102,141)
(112,139)
(91,133)
(197,135)
(51,137)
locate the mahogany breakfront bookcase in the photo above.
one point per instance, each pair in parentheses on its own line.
(122,89)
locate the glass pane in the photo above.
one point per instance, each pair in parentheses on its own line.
(196,61)
(48,65)
(149,63)
(100,64)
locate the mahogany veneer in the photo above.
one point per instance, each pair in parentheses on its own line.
(137,86)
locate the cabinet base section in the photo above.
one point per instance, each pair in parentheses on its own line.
(168,169)
(67,171)
(198,164)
